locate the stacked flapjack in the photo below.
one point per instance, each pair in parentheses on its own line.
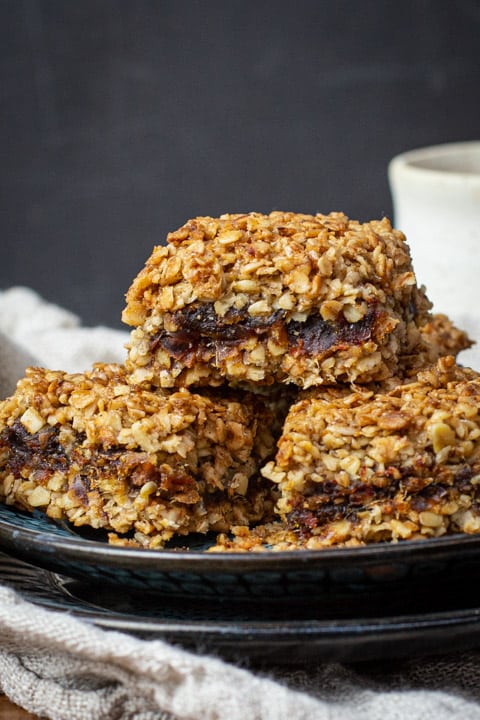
(248,329)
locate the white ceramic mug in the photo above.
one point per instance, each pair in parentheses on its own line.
(436,203)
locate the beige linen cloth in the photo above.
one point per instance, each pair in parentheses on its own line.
(63,668)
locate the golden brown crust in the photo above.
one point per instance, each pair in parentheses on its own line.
(95,450)
(284,297)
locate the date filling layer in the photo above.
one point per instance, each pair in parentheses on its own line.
(397,489)
(198,330)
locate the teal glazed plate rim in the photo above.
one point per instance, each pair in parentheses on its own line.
(19,529)
(301,575)
(361,604)
(383,601)
(237,636)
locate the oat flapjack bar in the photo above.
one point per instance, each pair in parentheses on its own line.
(359,467)
(284,297)
(94,450)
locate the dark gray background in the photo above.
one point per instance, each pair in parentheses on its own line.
(120,120)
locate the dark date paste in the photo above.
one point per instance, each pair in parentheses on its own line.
(199,330)
(332,502)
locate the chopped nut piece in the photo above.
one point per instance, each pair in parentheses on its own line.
(442,436)
(39,496)
(32,420)
(430,519)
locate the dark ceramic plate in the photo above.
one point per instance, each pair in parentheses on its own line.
(392,571)
(230,630)
(340,604)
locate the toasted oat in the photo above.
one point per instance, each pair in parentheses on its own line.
(284,297)
(94,450)
(368,466)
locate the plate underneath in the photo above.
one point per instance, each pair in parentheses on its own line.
(267,633)
(335,582)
